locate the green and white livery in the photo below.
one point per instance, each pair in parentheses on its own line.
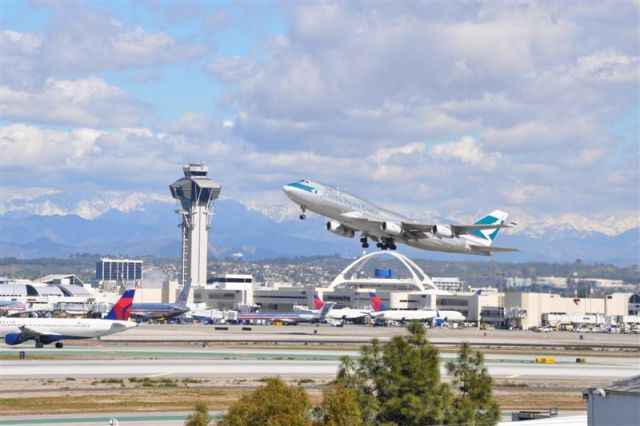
(349,215)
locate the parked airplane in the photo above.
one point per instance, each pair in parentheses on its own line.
(49,330)
(380,311)
(346,314)
(433,316)
(162,311)
(10,307)
(350,214)
(287,317)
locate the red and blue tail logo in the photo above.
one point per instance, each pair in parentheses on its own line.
(317,302)
(376,302)
(122,309)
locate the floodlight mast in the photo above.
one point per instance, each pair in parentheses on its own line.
(195,193)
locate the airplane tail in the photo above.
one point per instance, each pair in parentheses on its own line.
(317,302)
(376,302)
(122,309)
(486,236)
(184,295)
(325,309)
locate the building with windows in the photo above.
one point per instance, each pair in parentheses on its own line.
(122,271)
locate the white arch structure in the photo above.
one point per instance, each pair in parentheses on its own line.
(349,275)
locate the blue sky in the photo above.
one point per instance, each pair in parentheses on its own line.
(448,109)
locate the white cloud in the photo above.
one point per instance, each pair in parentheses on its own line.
(527,194)
(80,39)
(608,66)
(84,102)
(449,103)
(467,150)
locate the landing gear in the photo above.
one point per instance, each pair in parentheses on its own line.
(39,344)
(59,345)
(303,216)
(364,241)
(386,244)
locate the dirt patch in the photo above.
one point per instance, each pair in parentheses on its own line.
(89,395)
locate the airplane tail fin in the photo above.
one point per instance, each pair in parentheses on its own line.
(325,309)
(317,302)
(486,236)
(122,309)
(184,295)
(376,302)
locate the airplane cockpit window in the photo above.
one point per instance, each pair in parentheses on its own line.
(304,181)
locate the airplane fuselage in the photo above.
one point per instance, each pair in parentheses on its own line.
(150,311)
(75,328)
(348,210)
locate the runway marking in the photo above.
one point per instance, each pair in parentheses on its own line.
(513,376)
(157,375)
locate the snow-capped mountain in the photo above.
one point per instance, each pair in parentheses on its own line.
(58,224)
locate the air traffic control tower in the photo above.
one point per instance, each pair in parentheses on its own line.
(195,194)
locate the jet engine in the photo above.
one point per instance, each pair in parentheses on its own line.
(13,339)
(339,229)
(392,228)
(443,231)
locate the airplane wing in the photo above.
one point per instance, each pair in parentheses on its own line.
(490,249)
(419,230)
(34,333)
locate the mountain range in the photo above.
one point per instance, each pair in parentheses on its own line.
(119,224)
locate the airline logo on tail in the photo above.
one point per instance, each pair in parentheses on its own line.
(184,295)
(376,302)
(325,310)
(122,309)
(317,302)
(486,236)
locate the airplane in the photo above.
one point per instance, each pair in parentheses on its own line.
(433,316)
(52,330)
(349,214)
(11,307)
(287,317)
(206,315)
(380,311)
(160,311)
(346,314)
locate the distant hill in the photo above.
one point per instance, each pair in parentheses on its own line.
(149,227)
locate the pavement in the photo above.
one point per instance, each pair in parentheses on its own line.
(358,334)
(257,368)
(102,419)
(177,418)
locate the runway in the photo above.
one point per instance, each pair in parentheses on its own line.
(177,352)
(251,368)
(358,334)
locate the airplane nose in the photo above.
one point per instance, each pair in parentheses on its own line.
(287,189)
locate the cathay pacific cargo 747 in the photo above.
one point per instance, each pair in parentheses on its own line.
(349,214)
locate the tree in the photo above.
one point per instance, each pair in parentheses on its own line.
(339,407)
(273,404)
(399,382)
(200,417)
(473,402)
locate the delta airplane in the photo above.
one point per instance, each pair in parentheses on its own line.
(433,316)
(49,330)
(349,214)
(346,314)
